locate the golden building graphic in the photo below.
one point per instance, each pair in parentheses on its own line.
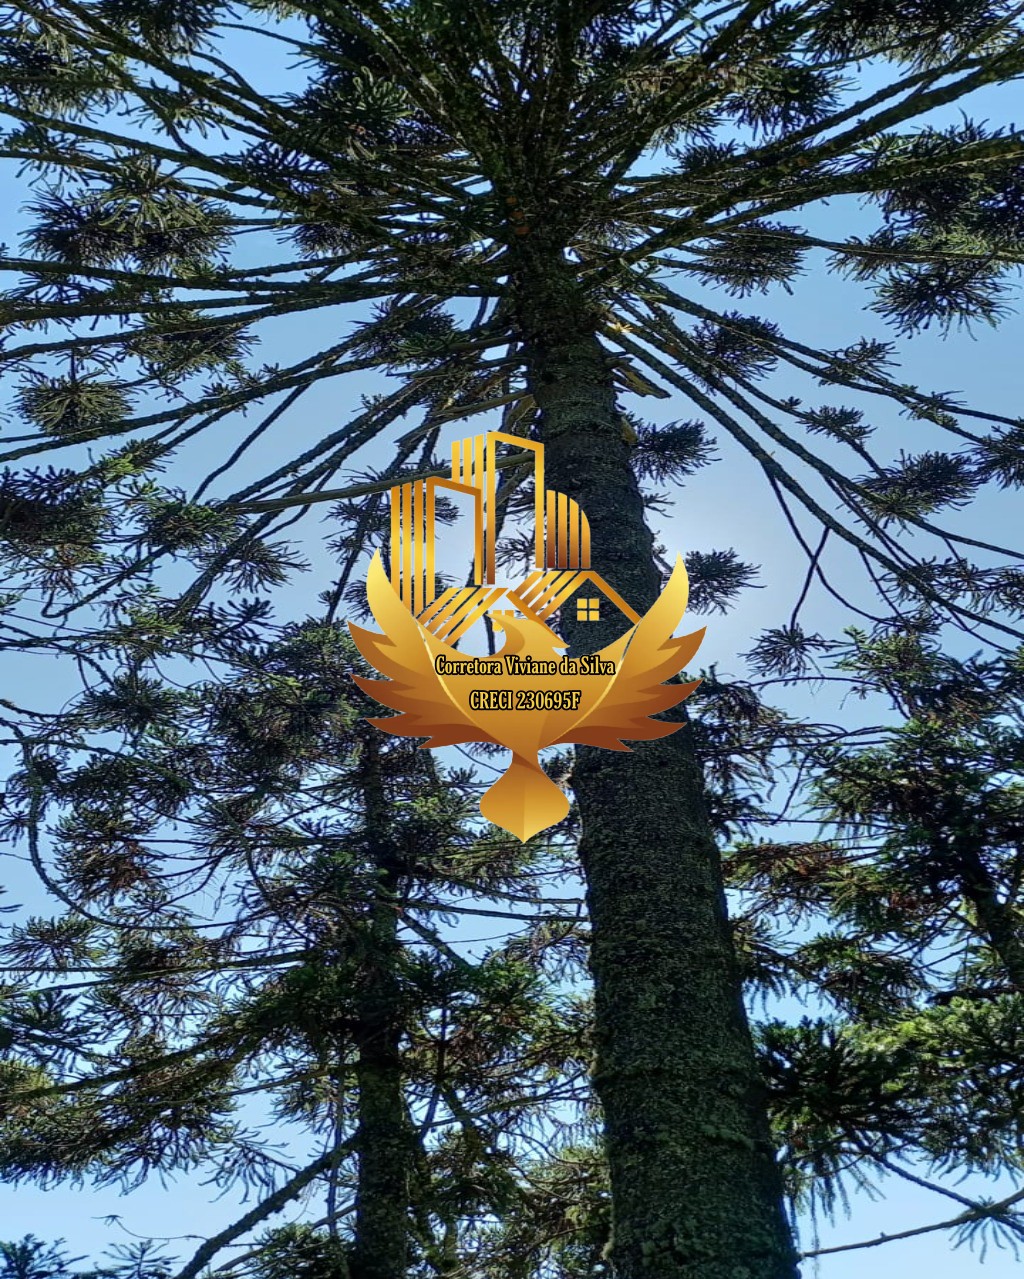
(524,696)
(561,546)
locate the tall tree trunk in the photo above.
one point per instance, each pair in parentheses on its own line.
(383,1140)
(696,1191)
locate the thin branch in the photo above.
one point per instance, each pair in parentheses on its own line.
(980,1212)
(273,1203)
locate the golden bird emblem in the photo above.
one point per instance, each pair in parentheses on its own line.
(528,696)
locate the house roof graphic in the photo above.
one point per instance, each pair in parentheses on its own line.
(452,614)
(545,591)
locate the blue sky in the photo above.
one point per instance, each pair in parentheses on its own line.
(724,505)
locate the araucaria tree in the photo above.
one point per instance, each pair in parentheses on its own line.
(571,170)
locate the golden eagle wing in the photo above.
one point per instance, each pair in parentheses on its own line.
(645,657)
(405,653)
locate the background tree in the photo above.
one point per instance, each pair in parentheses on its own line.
(429,155)
(903,919)
(136,1024)
(32,1258)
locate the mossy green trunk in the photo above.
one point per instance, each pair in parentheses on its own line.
(696,1192)
(383,1140)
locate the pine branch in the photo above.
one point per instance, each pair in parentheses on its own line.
(273,1203)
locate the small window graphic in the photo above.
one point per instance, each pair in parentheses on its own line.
(588,610)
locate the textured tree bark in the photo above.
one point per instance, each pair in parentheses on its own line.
(696,1191)
(383,1140)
